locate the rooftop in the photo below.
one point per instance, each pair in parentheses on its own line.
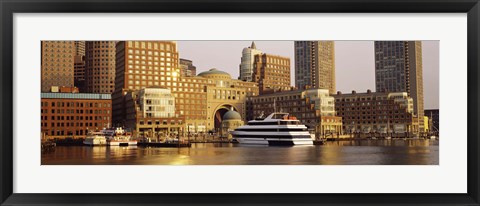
(75,96)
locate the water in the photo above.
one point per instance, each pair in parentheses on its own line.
(358,152)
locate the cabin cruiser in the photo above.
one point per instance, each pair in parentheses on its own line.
(95,139)
(275,129)
(118,137)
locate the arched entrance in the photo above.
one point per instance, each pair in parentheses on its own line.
(218,115)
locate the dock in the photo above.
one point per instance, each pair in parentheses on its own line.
(48,146)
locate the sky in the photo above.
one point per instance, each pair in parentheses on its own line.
(354,62)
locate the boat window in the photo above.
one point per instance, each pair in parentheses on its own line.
(262,123)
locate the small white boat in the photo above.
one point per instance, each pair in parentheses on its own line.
(118,137)
(433,137)
(388,137)
(95,139)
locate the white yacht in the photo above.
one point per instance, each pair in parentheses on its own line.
(118,137)
(275,129)
(95,138)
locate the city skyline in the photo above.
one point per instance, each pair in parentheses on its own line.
(352,59)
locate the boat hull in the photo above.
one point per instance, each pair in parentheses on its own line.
(122,143)
(95,142)
(275,141)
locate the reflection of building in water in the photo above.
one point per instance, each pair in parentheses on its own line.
(313,107)
(376,112)
(230,121)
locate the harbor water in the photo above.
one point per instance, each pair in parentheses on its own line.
(354,152)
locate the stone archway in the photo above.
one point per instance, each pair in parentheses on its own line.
(218,115)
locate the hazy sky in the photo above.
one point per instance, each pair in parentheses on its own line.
(355,62)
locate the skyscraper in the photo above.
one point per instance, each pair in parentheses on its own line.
(141,64)
(315,65)
(57,64)
(79,48)
(271,72)
(398,68)
(187,69)
(99,66)
(247,60)
(79,65)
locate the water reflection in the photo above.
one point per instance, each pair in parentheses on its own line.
(364,152)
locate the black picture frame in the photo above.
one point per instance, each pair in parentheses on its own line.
(10,7)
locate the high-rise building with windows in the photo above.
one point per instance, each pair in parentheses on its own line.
(79,48)
(99,66)
(57,67)
(315,65)
(79,72)
(187,69)
(398,68)
(271,72)
(247,62)
(79,65)
(141,64)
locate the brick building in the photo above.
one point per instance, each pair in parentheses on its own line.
(271,72)
(74,114)
(374,112)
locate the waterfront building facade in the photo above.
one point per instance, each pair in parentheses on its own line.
(74,114)
(313,107)
(398,68)
(99,66)
(247,62)
(151,112)
(271,72)
(187,69)
(315,65)
(57,67)
(224,93)
(200,101)
(377,113)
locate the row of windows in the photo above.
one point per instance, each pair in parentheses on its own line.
(74,104)
(72,111)
(62,118)
(151,45)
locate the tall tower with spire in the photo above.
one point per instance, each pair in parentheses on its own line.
(247,62)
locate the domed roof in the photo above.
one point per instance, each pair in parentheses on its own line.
(214,72)
(232,115)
